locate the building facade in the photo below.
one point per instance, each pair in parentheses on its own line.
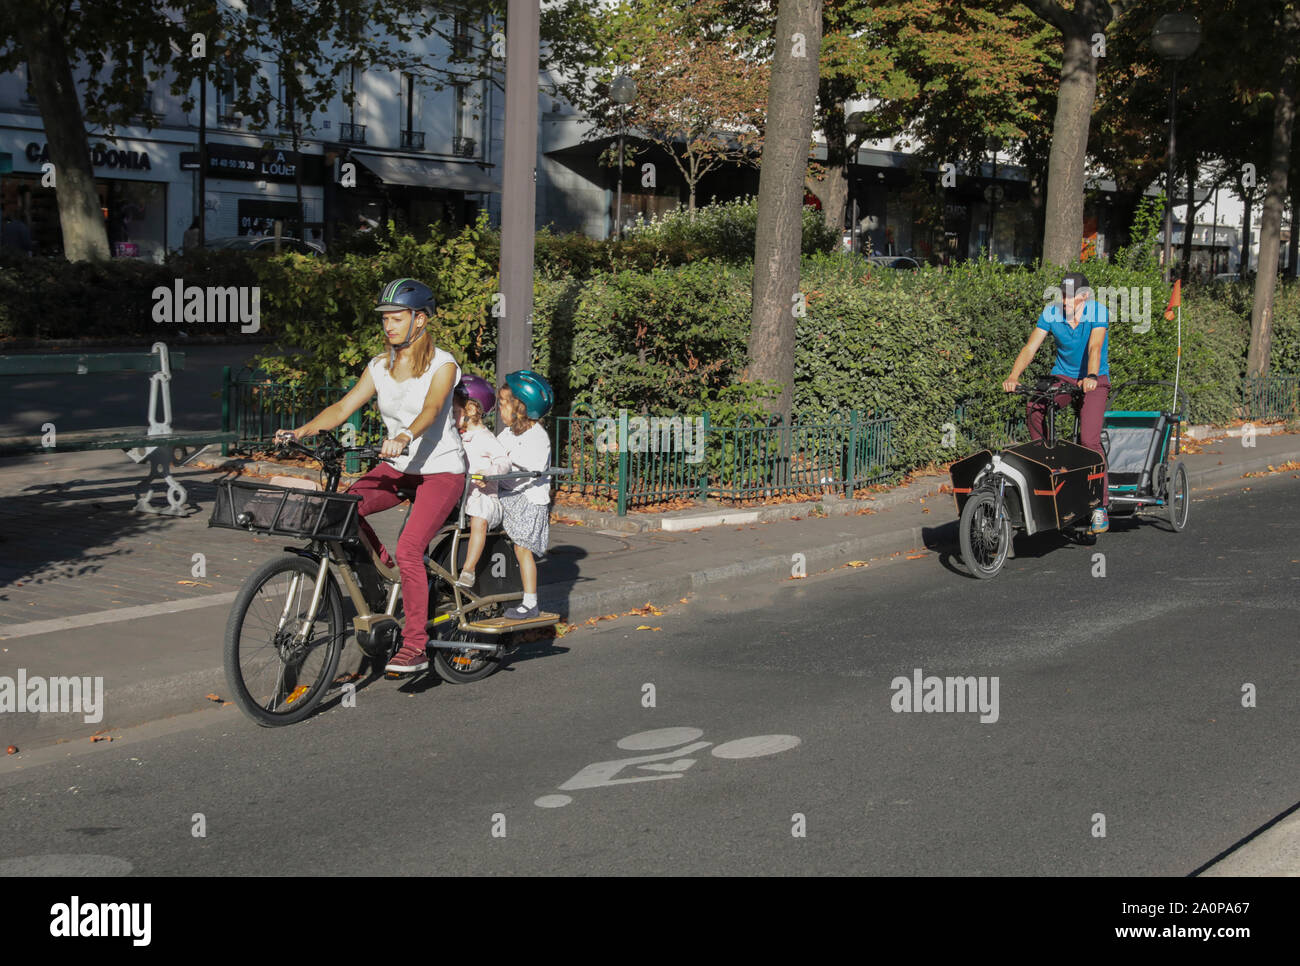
(403,150)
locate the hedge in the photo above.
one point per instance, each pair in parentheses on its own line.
(659,323)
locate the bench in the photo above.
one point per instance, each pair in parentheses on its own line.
(160,445)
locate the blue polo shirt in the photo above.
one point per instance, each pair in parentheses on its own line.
(1072,343)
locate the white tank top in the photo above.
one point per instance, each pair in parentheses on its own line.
(439,449)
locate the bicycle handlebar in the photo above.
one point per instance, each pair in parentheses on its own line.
(334,449)
(1047,392)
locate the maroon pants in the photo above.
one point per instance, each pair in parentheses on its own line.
(1091,415)
(435,496)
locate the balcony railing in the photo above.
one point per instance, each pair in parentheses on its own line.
(463,147)
(352,133)
(412,140)
(231,119)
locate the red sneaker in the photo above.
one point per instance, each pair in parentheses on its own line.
(407,661)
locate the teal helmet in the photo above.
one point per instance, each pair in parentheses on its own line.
(531,389)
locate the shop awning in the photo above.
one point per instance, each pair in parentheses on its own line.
(419,173)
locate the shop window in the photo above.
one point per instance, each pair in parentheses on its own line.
(29,95)
(461,42)
(412,140)
(227,92)
(463,141)
(287,118)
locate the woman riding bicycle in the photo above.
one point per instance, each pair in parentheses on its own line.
(414,382)
(1079,327)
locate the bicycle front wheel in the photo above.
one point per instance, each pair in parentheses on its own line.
(277,673)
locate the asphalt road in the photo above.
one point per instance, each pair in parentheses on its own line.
(1119,704)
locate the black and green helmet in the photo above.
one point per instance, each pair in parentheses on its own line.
(406,293)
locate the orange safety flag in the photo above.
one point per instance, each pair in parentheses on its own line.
(1175,300)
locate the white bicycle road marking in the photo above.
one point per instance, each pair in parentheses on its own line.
(666,764)
(659,738)
(755,747)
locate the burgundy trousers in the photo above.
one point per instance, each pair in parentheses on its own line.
(435,495)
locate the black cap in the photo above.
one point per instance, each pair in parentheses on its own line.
(1073,283)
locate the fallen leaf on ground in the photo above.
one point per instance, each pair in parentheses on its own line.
(193,583)
(94,738)
(857,563)
(918,556)
(214,697)
(647,627)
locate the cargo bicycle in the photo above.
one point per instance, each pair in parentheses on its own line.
(286,629)
(1048,484)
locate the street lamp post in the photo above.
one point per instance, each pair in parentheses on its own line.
(1175,37)
(993,193)
(622,91)
(519,188)
(856,125)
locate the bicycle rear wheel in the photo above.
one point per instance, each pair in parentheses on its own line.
(275,678)
(468,664)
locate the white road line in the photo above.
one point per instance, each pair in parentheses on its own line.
(113,616)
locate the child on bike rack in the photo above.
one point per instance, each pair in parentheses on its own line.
(525,504)
(486,455)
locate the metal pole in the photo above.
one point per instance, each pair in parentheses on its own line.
(519,187)
(1169,178)
(1214,239)
(203,153)
(993,205)
(618,191)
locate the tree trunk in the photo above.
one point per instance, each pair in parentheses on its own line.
(833,188)
(1293,243)
(1270,222)
(791,104)
(833,192)
(85,237)
(1124,206)
(1243,262)
(1063,233)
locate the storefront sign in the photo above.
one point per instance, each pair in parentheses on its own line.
(254,164)
(100,157)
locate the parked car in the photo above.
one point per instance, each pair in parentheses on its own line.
(901,262)
(265,244)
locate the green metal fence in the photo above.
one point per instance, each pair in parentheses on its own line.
(255,408)
(630,460)
(1272,397)
(635,460)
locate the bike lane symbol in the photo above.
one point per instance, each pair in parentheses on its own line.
(665,764)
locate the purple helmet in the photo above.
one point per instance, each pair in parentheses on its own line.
(480,390)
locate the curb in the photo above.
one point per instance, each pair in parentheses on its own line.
(714,514)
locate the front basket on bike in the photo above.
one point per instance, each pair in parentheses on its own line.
(265,508)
